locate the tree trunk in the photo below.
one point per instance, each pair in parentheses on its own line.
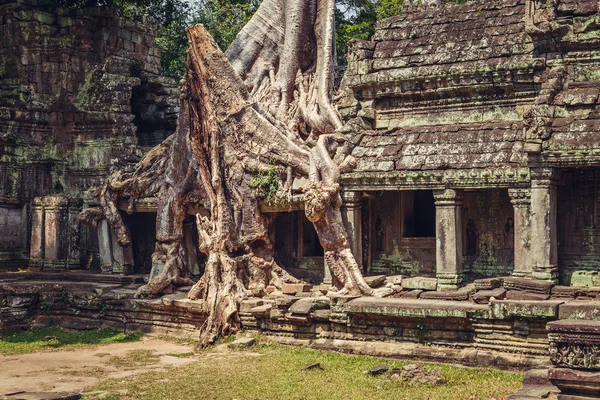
(254,112)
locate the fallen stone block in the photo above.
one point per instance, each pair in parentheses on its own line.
(576,383)
(585,279)
(307,305)
(484,296)
(526,295)
(528,284)
(313,366)
(293,288)
(462,294)
(420,283)
(263,311)
(242,342)
(379,369)
(488,283)
(395,279)
(375,281)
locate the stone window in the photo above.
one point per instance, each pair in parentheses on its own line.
(418,214)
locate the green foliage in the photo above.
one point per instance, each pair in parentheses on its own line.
(267,182)
(225,18)
(222,18)
(37,339)
(46,305)
(389,8)
(354,19)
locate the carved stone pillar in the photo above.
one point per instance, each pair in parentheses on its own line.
(521,201)
(122,257)
(351,215)
(36,252)
(105,246)
(448,238)
(74,233)
(544,253)
(55,232)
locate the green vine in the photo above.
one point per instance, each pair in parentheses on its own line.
(267,183)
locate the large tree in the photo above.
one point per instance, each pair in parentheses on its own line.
(266,106)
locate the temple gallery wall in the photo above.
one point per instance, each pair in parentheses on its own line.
(477,186)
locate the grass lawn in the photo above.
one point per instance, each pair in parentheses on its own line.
(52,338)
(270,371)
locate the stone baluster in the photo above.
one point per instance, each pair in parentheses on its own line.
(544,252)
(521,201)
(448,240)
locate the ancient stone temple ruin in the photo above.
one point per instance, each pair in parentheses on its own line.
(80,94)
(476,193)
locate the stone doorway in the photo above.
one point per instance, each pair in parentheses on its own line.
(488,234)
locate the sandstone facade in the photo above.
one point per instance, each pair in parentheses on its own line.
(79,90)
(485,115)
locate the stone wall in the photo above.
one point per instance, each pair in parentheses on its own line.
(75,85)
(478,98)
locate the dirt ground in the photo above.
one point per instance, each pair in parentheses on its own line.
(82,368)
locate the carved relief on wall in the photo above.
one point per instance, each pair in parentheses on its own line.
(575,355)
(538,15)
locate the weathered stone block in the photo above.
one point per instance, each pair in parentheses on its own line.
(420,283)
(375,281)
(462,294)
(484,296)
(241,343)
(585,279)
(307,305)
(525,295)
(576,383)
(395,279)
(578,310)
(504,309)
(528,284)
(488,284)
(293,288)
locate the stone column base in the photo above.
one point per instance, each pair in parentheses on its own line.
(521,274)
(35,264)
(449,281)
(549,273)
(106,268)
(54,266)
